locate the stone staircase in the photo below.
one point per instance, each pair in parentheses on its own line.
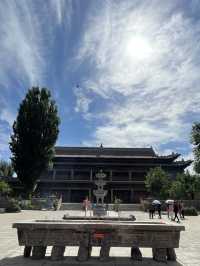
(78,206)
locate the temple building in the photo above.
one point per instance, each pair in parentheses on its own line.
(74,169)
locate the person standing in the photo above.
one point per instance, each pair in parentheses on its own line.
(159,210)
(176,210)
(86,204)
(90,207)
(181,210)
(167,208)
(171,210)
(151,211)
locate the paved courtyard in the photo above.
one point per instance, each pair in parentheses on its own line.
(11,254)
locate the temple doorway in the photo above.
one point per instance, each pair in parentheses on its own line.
(78,196)
(123,195)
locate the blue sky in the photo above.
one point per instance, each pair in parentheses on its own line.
(136,64)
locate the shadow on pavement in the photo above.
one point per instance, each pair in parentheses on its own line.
(94,261)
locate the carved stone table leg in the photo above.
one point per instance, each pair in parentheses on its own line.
(89,251)
(27,251)
(38,252)
(136,253)
(171,254)
(153,253)
(84,252)
(105,249)
(57,252)
(160,254)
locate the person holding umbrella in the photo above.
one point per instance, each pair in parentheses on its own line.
(157,203)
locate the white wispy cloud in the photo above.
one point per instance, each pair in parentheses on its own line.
(62,10)
(21,47)
(22,58)
(4,139)
(7,116)
(147,54)
(190,156)
(82,101)
(27,39)
(27,30)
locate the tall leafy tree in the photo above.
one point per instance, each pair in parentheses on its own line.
(195,139)
(176,190)
(35,132)
(185,186)
(6,168)
(157,182)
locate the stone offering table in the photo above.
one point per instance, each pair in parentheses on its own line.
(97,218)
(37,235)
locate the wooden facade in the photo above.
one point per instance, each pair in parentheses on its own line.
(74,170)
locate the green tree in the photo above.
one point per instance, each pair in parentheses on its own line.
(34,135)
(5,189)
(157,182)
(176,190)
(185,186)
(195,139)
(6,169)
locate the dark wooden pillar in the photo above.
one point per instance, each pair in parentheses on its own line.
(111,195)
(130,175)
(72,174)
(132,196)
(54,175)
(69,195)
(90,194)
(91,173)
(111,173)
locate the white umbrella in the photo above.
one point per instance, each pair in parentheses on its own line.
(156,202)
(169,201)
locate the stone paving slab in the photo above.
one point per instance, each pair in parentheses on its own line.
(117,261)
(11,254)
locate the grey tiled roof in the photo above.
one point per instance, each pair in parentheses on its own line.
(108,152)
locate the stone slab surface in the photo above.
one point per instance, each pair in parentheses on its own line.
(188,253)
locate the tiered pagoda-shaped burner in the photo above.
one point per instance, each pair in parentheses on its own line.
(100,194)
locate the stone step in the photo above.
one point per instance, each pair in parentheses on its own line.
(79,206)
(130,207)
(71,206)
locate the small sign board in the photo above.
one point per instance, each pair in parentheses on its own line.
(99,235)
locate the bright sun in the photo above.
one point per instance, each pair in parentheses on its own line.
(138,48)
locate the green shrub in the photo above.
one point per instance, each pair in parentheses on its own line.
(5,189)
(190,211)
(116,206)
(27,205)
(145,205)
(13,206)
(55,204)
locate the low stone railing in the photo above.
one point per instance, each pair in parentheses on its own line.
(37,235)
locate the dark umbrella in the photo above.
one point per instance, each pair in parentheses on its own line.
(156,202)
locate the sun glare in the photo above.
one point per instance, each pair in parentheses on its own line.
(138,48)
